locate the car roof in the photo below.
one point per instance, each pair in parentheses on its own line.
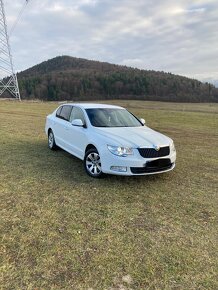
(93,105)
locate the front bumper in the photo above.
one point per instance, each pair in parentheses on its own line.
(135,164)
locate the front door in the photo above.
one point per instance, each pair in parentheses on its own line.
(76,136)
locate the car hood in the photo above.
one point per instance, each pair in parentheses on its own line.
(133,137)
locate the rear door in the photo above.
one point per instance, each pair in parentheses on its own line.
(61,125)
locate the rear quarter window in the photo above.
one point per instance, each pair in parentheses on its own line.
(58,112)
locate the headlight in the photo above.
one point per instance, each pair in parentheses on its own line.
(173,148)
(120,151)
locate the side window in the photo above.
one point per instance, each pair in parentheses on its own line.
(58,112)
(65,112)
(77,113)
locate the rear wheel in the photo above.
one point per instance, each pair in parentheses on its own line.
(92,163)
(51,140)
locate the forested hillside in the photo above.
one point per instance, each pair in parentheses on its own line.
(69,78)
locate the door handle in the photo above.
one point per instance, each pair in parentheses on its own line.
(66,128)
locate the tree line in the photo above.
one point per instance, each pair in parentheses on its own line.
(68,78)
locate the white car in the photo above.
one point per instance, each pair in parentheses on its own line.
(109,139)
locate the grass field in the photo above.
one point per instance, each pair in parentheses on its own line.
(61,229)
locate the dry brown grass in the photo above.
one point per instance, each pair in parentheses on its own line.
(61,229)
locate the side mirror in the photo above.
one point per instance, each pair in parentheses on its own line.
(142,121)
(78,123)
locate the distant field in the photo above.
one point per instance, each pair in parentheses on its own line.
(61,229)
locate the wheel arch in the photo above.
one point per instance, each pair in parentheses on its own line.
(90,146)
(49,130)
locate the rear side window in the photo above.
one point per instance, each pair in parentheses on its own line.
(64,112)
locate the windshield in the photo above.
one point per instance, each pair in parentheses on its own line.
(112,118)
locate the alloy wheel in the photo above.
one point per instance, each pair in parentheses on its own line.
(51,140)
(93,164)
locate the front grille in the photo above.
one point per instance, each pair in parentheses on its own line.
(153,153)
(153,166)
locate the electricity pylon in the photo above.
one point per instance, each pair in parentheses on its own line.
(8,77)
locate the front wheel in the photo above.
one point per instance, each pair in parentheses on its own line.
(92,163)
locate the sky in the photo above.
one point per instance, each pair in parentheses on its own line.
(165,35)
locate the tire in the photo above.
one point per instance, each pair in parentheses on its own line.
(92,163)
(51,140)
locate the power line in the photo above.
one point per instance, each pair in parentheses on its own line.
(19,16)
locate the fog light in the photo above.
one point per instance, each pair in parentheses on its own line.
(119,168)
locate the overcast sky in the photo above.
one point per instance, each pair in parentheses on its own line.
(174,36)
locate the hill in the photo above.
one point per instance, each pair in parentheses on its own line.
(69,78)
